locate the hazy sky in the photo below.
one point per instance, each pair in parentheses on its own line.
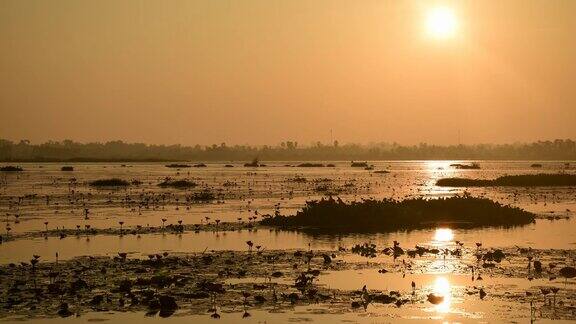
(262,72)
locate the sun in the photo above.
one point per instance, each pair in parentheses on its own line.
(441,23)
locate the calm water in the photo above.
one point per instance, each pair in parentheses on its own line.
(45,197)
(245,192)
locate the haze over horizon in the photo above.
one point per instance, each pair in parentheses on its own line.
(264,72)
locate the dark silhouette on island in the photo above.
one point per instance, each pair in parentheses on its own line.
(523,180)
(370,215)
(118,151)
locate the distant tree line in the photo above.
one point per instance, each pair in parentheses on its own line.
(68,150)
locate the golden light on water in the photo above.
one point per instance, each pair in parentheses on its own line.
(437,170)
(443,235)
(441,23)
(443,288)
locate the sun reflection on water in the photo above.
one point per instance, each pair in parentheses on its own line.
(443,288)
(443,235)
(436,170)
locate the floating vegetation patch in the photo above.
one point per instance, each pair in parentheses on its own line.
(359,164)
(67,168)
(11,168)
(177,165)
(318,180)
(204,196)
(200,165)
(254,164)
(524,180)
(180,184)
(390,215)
(298,179)
(322,188)
(366,250)
(113,182)
(473,166)
(310,165)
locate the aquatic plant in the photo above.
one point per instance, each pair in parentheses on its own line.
(203,195)
(359,164)
(310,165)
(568,272)
(11,168)
(366,250)
(180,184)
(372,215)
(473,166)
(255,163)
(523,180)
(112,182)
(435,299)
(177,165)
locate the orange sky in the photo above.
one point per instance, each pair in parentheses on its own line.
(262,72)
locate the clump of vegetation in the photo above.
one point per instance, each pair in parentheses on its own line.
(473,166)
(359,164)
(113,182)
(536,165)
(180,184)
(330,165)
(204,195)
(298,179)
(11,168)
(322,188)
(367,250)
(391,215)
(254,164)
(228,166)
(200,165)
(523,180)
(178,166)
(310,165)
(67,168)
(381,171)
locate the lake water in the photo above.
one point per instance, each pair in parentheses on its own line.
(45,197)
